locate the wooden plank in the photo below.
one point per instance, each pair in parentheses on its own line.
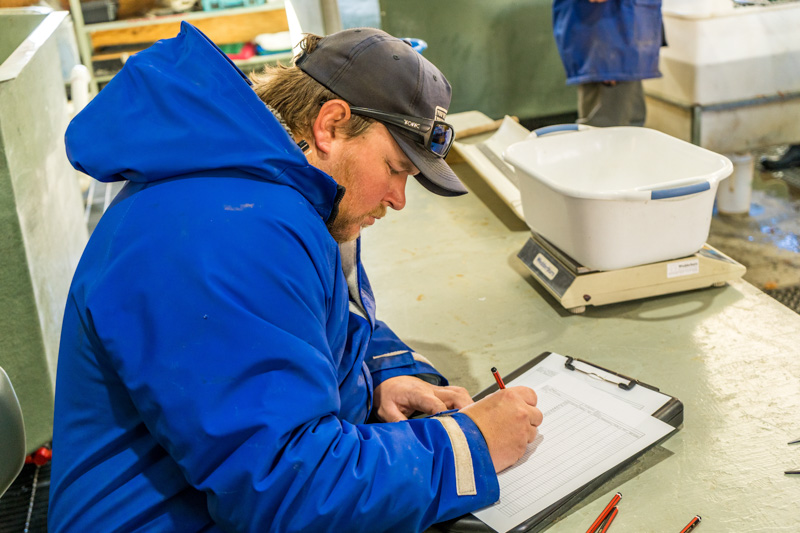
(254,61)
(224,29)
(484,128)
(115,55)
(465,121)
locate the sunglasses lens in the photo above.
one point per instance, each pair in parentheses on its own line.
(441,138)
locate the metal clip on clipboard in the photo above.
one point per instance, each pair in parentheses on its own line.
(621,384)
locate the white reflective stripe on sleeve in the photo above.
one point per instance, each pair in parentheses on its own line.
(390,354)
(462,457)
(422,359)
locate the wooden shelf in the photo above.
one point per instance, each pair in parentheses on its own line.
(189,16)
(118,39)
(241,63)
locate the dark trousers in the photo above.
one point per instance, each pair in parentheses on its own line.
(602,105)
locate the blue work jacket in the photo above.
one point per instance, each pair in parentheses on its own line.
(616,40)
(216,366)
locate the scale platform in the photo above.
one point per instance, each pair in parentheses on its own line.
(576,286)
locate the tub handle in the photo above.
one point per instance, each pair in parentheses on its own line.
(552,129)
(680,191)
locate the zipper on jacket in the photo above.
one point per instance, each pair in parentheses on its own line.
(340,190)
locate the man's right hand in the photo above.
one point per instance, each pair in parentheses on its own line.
(508,420)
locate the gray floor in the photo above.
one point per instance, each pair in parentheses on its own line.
(767,240)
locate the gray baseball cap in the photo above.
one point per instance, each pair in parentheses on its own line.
(369,68)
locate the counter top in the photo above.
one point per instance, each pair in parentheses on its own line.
(447,280)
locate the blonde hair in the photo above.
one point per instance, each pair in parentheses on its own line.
(298,97)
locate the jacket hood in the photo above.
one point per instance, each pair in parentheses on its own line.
(182,108)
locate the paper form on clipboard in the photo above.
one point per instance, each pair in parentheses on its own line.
(587,430)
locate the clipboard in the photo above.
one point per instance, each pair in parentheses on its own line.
(671,413)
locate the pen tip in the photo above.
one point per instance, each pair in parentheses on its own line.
(494,369)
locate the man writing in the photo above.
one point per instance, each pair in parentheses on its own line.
(220,353)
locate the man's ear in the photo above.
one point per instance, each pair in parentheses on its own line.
(332,115)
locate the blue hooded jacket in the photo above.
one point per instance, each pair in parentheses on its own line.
(216,369)
(616,40)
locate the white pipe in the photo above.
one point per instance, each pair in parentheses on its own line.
(733,193)
(79,79)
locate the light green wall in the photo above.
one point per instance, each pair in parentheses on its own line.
(42,232)
(14,30)
(499,55)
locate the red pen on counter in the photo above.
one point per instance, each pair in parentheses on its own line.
(610,518)
(691,525)
(497,378)
(614,501)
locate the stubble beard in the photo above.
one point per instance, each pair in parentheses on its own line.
(347,224)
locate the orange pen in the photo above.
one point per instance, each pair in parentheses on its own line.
(607,522)
(691,525)
(497,378)
(617,497)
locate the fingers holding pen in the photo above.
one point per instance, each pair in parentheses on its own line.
(526,400)
(528,395)
(528,410)
(533,413)
(508,420)
(536,415)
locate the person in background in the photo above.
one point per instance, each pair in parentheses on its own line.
(220,355)
(789,159)
(608,47)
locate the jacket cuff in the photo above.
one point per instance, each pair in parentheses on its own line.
(475,483)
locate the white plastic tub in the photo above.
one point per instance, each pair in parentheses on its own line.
(617,197)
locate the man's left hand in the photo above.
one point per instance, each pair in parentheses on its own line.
(398,398)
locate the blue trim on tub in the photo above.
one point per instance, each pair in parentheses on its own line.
(680,191)
(553,129)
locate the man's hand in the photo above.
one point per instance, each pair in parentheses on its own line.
(399,397)
(508,420)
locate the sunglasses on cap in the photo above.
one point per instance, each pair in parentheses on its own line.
(437,136)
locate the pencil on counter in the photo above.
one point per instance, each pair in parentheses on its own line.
(607,522)
(692,524)
(611,505)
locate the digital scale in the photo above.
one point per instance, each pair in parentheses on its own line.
(572,284)
(576,286)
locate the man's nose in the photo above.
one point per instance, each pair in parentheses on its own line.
(396,196)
